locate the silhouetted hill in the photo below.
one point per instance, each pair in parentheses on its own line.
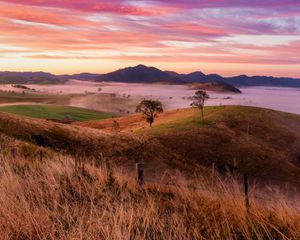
(144,74)
(238,81)
(244,80)
(191,77)
(29,78)
(79,76)
(214,86)
(140,74)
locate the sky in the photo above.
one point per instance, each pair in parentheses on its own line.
(229,37)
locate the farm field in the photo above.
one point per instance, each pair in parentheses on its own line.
(55,112)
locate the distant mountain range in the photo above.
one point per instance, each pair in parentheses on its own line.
(29,78)
(144,74)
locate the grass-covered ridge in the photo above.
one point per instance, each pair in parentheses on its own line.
(189,119)
(261,142)
(55,112)
(53,199)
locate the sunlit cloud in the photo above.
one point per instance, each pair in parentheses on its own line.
(176,35)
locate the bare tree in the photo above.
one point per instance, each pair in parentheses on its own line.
(150,110)
(199,100)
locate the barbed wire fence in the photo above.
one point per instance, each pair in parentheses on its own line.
(242,186)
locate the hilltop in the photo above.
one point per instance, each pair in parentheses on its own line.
(140,74)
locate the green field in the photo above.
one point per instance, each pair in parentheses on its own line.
(55,112)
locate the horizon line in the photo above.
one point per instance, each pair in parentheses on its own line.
(149,66)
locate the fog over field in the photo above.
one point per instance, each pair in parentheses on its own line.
(177,96)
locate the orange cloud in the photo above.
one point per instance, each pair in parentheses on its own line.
(180,32)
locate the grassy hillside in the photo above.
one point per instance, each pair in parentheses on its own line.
(262,143)
(55,112)
(258,141)
(52,199)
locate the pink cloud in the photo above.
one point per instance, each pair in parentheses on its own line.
(113,6)
(140,31)
(34,14)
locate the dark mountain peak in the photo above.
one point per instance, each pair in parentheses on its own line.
(140,74)
(214,75)
(141,66)
(196,73)
(138,68)
(144,69)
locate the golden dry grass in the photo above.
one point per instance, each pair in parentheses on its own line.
(262,142)
(137,121)
(269,147)
(51,201)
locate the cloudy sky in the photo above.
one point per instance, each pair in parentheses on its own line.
(230,37)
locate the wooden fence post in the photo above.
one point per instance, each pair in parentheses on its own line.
(41,155)
(246,188)
(14,153)
(234,170)
(213,172)
(140,173)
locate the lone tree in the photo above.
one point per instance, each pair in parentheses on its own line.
(150,109)
(199,100)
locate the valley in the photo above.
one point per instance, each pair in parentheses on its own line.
(87,170)
(79,142)
(122,98)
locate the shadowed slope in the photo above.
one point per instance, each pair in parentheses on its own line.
(259,141)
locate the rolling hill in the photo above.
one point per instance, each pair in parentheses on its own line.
(251,137)
(178,153)
(264,143)
(144,74)
(140,74)
(50,198)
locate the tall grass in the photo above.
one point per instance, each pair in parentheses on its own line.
(50,200)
